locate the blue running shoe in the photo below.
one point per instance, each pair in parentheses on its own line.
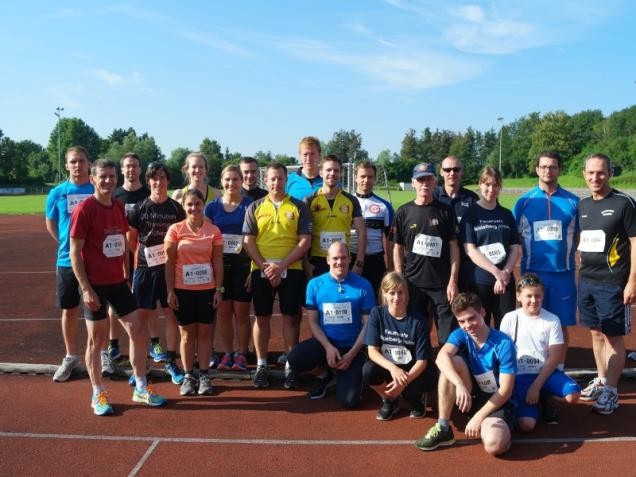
(148,396)
(214,361)
(100,405)
(131,380)
(157,353)
(175,372)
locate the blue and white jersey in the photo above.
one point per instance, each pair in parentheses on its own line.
(496,356)
(547,224)
(340,306)
(378,217)
(60,204)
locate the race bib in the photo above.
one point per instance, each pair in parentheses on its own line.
(592,241)
(197,274)
(396,354)
(529,362)
(114,245)
(486,382)
(327,238)
(337,313)
(282,275)
(155,255)
(427,245)
(73,200)
(232,244)
(495,252)
(547,230)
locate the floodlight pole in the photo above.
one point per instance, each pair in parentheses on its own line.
(500,119)
(58,113)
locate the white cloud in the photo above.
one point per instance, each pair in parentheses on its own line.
(108,77)
(471,13)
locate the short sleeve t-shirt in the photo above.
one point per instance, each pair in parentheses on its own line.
(378,217)
(130,197)
(231,226)
(425,231)
(103,229)
(493,232)
(533,336)
(340,306)
(403,341)
(60,204)
(606,226)
(496,356)
(460,203)
(151,220)
(193,265)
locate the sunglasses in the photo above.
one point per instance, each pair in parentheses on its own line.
(154,164)
(548,168)
(452,169)
(529,282)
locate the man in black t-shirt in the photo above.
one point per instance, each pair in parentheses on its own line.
(249,169)
(607,278)
(426,250)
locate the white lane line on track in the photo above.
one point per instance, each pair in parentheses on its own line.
(304,442)
(144,458)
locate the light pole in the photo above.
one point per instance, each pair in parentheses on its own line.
(500,119)
(58,113)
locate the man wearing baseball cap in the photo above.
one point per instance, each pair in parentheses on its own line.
(426,250)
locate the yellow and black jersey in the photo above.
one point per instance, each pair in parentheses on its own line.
(277,228)
(331,220)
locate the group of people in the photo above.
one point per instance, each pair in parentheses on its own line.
(367,277)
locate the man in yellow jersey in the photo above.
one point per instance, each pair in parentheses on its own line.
(276,237)
(334,213)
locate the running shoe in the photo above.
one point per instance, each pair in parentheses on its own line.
(205,386)
(593,390)
(388,409)
(322,386)
(113,351)
(632,355)
(436,437)
(418,410)
(226,362)
(148,396)
(65,369)
(107,364)
(156,352)
(606,403)
(291,379)
(282,359)
(100,405)
(261,377)
(189,386)
(175,372)
(240,362)
(214,361)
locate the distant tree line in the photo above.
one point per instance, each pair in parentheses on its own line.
(573,136)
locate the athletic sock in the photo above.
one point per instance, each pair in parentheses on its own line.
(261,361)
(72,356)
(444,424)
(603,381)
(140,382)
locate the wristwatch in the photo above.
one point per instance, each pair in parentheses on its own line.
(220,289)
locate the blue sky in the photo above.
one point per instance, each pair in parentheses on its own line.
(259,75)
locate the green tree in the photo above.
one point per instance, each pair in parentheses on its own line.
(347,145)
(73,132)
(175,163)
(144,146)
(284,159)
(410,145)
(212,151)
(552,133)
(263,158)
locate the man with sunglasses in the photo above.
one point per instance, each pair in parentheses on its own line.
(459,199)
(338,305)
(426,252)
(547,222)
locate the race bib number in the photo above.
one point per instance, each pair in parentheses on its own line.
(396,354)
(282,275)
(114,246)
(155,255)
(592,241)
(547,230)
(495,252)
(327,238)
(232,244)
(197,274)
(73,200)
(427,245)
(486,382)
(529,362)
(337,313)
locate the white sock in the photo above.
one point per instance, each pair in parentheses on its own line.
(261,361)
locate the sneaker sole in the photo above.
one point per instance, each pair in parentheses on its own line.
(588,398)
(388,418)
(107,412)
(209,392)
(439,444)
(603,412)
(193,393)
(418,415)
(63,378)
(151,404)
